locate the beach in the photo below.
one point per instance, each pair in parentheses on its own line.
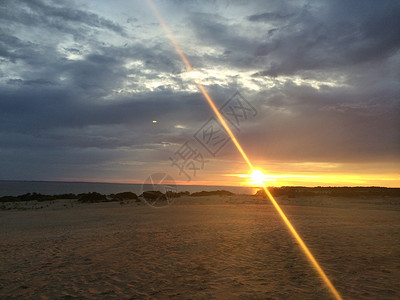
(214,247)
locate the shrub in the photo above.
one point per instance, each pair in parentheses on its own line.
(92,197)
(211,193)
(125,195)
(154,195)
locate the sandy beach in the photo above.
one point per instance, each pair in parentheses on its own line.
(231,247)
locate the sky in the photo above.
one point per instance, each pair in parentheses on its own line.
(95,91)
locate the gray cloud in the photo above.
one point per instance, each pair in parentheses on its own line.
(342,34)
(269,17)
(49,14)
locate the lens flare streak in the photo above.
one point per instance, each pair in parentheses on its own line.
(293,231)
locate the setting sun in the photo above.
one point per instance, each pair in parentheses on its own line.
(257,177)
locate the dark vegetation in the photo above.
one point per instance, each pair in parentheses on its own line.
(92,198)
(294,191)
(124,196)
(179,194)
(85,197)
(96,197)
(36,197)
(289,191)
(153,195)
(212,193)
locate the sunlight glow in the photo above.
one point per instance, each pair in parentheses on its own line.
(257,177)
(293,231)
(327,179)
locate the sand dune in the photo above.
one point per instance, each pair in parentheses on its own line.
(201,248)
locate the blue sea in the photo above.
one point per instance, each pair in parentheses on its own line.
(15,188)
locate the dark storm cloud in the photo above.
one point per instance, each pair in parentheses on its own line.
(340,34)
(62,127)
(319,35)
(268,17)
(12,48)
(34,82)
(214,31)
(61,17)
(335,122)
(305,124)
(58,111)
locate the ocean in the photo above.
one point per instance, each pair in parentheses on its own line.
(15,188)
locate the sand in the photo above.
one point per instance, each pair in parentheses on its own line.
(200,248)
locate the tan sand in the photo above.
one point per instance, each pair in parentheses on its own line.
(200,248)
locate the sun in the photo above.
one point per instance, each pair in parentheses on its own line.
(257,177)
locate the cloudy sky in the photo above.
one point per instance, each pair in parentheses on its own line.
(81,83)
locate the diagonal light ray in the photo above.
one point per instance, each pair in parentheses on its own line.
(292,230)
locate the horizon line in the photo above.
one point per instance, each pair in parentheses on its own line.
(223,185)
